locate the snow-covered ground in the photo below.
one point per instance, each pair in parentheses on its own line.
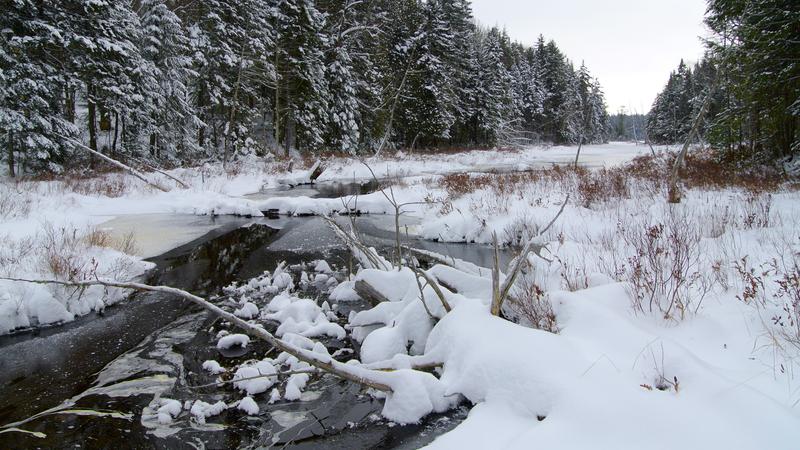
(643,324)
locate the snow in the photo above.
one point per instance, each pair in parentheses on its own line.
(201,410)
(213,367)
(321,266)
(233,340)
(249,406)
(251,379)
(168,410)
(344,292)
(295,386)
(300,316)
(248,310)
(587,381)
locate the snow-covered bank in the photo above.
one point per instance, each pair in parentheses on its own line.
(662,326)
(53,229)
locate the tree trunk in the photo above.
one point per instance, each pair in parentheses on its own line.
(116,132)
(578,154)
(232,115)
(11,155)
(152,144)
(69,104)
(92,118)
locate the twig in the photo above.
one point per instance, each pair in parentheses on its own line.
(278,374)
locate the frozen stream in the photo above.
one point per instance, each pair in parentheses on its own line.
(153,345)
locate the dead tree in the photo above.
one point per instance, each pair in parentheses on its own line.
(534,245)
(674,191)
(122,166)
(398,211)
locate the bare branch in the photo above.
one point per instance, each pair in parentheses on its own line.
(324,362)
(435,286)
(533,245)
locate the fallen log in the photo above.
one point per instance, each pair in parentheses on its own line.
(369,293)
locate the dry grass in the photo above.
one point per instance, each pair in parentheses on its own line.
(66,252)
(648,173)
(15,203)
(531,305)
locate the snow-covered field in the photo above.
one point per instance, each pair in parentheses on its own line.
(642,324)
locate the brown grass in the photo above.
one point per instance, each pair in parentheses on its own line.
(702,170)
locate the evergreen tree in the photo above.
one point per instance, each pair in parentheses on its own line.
(32,81)
(756,48)
(167,48)
(102,51)
(303,92)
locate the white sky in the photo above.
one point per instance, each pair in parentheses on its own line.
(629,45)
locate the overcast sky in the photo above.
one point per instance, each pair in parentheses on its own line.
(629,45)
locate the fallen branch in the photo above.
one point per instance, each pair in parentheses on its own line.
(124,167)
(449,261)
(326,363)
(162,172)
(369,293)
(268,375)
(368,258)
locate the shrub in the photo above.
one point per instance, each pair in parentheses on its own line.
(664,270)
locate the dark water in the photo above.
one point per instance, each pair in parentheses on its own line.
(153,344)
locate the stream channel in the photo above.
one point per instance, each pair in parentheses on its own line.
(102,371)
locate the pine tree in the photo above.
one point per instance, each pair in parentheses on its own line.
(166,47)
(493,109)
(32,83)
(101,42)
(756,49)
(303,92)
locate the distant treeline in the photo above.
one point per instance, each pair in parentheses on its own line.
(186,80)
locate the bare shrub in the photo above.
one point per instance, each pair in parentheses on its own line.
(752,282)
(519,231)
(602,185)
(789,318)
(756,210)
(574,274)
(97,237)
(14,252)
(111,185)
(664,270)
(126,244)
(717,221)
(62,253)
